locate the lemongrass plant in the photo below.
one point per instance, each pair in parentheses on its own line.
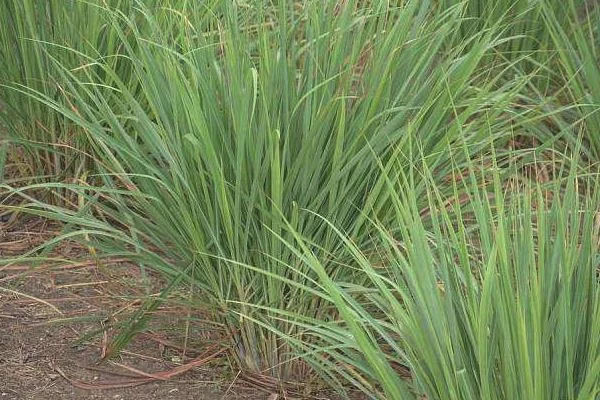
(497,298)
(561,40)
(230,119)
(33,36)
(223,135)
(45,136)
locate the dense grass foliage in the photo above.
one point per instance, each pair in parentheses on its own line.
(34,33)
(291,164)
(500,303)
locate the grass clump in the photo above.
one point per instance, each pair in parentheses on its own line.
(497,299)
(230,135)
(244,150)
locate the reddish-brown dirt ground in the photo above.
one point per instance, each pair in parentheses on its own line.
(47,310)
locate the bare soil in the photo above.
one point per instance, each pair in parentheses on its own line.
(56,324)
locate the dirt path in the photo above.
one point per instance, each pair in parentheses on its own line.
(43,314)
(38,360)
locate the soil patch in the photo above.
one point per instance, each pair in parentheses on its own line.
(56,323)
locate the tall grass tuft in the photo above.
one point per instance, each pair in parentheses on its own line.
(24,61)
(209,128)
(34,36)
(230,122)
(555,41)
(496,299)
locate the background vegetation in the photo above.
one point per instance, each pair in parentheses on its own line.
(398,196)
